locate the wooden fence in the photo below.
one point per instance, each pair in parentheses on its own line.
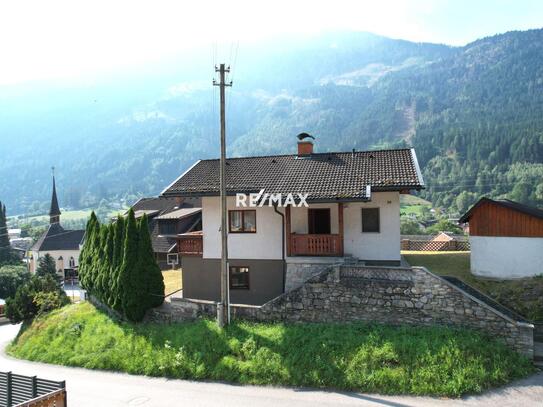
(30,391)
(435,245)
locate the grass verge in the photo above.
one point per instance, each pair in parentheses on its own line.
(172,281)
(368,358)
(524,296)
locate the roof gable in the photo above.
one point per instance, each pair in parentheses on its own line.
(506,203)
(324,176)
(57,238)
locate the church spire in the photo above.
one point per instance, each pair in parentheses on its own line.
(54,212)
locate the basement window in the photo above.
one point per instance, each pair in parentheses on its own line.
(239,278)
(370,220)
(242,221)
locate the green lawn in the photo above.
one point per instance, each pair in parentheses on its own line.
(525,296)
(410,204)
(368,358)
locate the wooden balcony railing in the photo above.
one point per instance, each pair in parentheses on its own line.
(190,244)
(316,245)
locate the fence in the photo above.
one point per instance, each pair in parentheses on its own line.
(435,245)
(30,391)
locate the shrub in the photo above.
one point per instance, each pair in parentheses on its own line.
(11,278)
(30,299)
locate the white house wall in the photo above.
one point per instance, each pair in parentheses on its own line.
(265,244)
(384,245)
(55,254)
(506,257)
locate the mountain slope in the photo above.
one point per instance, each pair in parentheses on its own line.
(473,113)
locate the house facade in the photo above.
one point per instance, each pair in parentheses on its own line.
(506,239)
(61,244)
(351,212)
(169,217)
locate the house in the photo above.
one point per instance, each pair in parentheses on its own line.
(61,244)
(352,214)
(14,234)
(169,217)
(506,239)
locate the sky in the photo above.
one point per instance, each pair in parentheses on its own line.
(54,39)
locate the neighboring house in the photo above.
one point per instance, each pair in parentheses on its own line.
(506,239)
(14,233)
(169,217)
(21,245)
(61,244)
(353,214)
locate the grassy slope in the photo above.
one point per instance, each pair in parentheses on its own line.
(413,204)
(525,296)
(414,360)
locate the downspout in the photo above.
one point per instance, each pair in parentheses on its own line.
(282,244)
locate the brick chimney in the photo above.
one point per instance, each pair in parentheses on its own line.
(305,147)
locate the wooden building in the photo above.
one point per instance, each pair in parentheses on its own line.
(506,239)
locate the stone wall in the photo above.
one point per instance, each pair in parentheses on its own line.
(376,294)
(300,270)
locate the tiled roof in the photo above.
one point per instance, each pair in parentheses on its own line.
(528,210)
(324,176)
(179,213)
(57,238)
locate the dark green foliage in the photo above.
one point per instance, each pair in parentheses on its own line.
(117,266)
(410,227)
(7,255)
(117,260)
(149,268)
(352,356)
(38,295)
(11,278)
(444,226)
(47,267)
(132,281)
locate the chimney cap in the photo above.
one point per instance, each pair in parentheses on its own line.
(304,136)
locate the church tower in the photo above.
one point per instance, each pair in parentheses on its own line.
(54,212)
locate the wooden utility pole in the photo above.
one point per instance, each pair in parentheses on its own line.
(223,311)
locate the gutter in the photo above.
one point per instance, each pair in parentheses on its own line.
(282,245)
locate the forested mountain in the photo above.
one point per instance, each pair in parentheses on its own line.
(474,114)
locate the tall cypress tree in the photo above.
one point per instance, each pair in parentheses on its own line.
(154,281)
(85,258)
(115,299)
(6,254)
(108,259)
(131,281)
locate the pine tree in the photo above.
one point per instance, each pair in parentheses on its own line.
(149,267)
(6,254)
(47,267)
(106,265)
(115,299)
(131,281)
(85,258)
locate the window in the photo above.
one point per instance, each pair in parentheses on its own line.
(242,221)
(167,228)
(370,220)
(72,262)
(239,277)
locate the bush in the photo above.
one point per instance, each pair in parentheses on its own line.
(117,266)
(38,295)
(11,278)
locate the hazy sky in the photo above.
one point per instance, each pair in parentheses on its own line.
(67,38)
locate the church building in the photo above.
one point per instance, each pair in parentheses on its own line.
(61,244)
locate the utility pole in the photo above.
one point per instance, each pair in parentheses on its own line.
(223,311)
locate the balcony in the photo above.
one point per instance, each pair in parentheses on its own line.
(190,244)
(316,245)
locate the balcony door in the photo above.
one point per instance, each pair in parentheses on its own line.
(319,221)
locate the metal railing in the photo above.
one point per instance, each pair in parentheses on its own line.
(18,391)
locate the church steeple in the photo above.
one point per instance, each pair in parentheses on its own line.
(54,212)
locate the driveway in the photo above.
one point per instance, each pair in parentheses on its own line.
(88,388)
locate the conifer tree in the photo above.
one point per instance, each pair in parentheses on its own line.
(131,281)
(149,268)
(6,254)
(85,259)
(108,260)
(47,267)
(115,299)
(94,258)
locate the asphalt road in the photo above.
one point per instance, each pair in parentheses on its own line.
(88,388)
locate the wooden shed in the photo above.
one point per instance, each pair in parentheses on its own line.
(506,239)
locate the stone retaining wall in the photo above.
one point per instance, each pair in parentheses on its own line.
(373,294)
